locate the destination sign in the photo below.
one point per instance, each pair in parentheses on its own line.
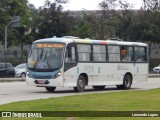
(49,45)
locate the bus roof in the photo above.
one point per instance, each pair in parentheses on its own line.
(90,41)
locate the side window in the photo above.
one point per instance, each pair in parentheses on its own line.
(8,65)
(99,53)
(114,53)
(70,55)
(140,54)
(127,54)
(3,66)
(84,52)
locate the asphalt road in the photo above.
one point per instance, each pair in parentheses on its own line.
(19,91)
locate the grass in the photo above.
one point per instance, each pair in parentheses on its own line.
(148,100)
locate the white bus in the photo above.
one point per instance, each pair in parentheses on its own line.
(74,62)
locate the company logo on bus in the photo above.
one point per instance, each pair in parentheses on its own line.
(121,67)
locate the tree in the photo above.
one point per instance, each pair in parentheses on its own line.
(85,25)
(15,8)
(108,11)
(125,17)
(53,22)
(4,17)
(152,5)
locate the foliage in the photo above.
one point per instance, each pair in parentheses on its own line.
(85,25)
(50,20)
(130,25)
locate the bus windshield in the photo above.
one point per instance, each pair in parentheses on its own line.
(46,56)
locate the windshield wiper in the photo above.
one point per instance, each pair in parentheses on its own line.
(38,58)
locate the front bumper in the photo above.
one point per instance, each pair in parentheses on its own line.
(58,82)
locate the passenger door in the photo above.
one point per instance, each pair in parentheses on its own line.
(70,63)
(70,57)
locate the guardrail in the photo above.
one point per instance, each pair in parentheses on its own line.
(24,79)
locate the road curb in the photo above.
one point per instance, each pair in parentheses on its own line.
(154,75)
(12,79)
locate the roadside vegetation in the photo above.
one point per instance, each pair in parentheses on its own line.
(108,22)
(145,100)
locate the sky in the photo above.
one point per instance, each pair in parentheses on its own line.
(83,4)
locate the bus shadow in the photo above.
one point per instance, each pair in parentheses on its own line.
(89,90)
(94,90)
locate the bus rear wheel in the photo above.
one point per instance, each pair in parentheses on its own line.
(98,87)
(81,82)
(50,89)
(127,82)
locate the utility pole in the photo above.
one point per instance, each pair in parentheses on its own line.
(14,23)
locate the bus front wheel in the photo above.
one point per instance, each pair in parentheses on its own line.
(80,84)
(50,89)
(127,82)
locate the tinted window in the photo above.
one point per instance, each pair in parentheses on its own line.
(84,52)
(140,54)
(127,54)
(70,55)
(99,53)
(3,65)
(46,56)
(9,65)
(114,53)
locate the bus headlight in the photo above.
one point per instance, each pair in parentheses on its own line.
(58,74)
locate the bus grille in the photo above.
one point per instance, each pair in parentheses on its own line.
(41,77)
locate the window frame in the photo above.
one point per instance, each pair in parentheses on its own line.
(114,53)
(91,57)
(70,65)
(132,56)
(146,54)
(106,53)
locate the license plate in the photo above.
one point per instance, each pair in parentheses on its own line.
(41,81)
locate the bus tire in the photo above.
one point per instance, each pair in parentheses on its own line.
(99,87)
(127,82)
(81,82)
(50,89)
